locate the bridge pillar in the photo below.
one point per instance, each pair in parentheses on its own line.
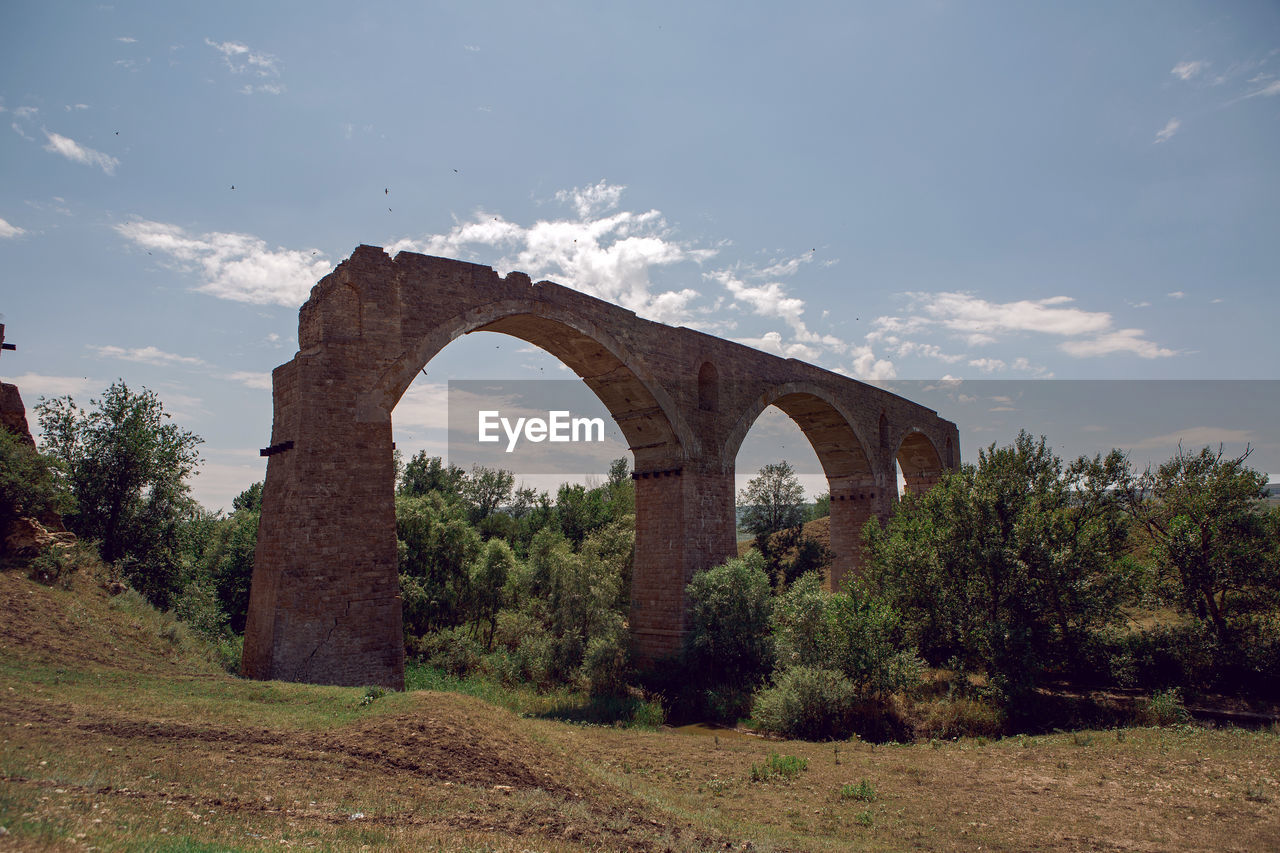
(325,601)
(851,508)
(684,523)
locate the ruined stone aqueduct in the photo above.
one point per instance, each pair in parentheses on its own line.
(325,603)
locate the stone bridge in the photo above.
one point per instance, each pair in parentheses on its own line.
(325,603)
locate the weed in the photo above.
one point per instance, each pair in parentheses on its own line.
(1255,794)
(786,767)
(864,818)
(1081,738)
(371,695)
(864,791)
(1164,708)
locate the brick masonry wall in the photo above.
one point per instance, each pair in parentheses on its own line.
(325,602)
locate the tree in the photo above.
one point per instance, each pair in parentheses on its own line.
(1213,540)
(437,549)
(485,490)
(423,474)
(1007,566)
(729,641)
(772,500)
(127,469)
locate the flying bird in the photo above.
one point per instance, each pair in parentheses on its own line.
(233,186)
(386,191)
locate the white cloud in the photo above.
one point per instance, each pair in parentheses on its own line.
(26,112)
(78,153)
(1176,294)
(251,379)
(238,267)
(1119,340)
(979,319)
(1187,70)
(71,107)
(144,355)
(127,39)
(241,59)
(33,386)
(608,256)
(1269,88)
(8,231)
(987,365)
(1166,132)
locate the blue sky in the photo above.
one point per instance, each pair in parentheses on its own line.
(895,191)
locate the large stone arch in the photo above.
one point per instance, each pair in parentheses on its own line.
(325,604)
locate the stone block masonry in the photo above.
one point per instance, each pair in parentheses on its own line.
(325,606)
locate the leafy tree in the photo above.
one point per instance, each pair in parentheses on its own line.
(1007,566)
(581,510)
(28,482)
(437,548)
(729,640)
(821,508)
(852,631)
(485,490)
(489,577)
(772,500)
(127,469)
(423,474)
(1213,539)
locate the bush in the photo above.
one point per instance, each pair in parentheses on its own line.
(807,702)
(453,650)
(1164,708)
(729,640)
(56,565)
(786,767)
(605,664)
(956,716)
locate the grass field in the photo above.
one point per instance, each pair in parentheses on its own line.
(118,732)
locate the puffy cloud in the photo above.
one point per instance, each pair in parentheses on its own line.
(8,231)
(145,355)
(1165,133)
(239,267)
(608,256)
(77,153)
(33,386)
(251,379)
(241,59)
(1119,340)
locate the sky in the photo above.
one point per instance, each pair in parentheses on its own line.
(970,192)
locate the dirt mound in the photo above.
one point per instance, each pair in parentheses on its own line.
(818,529)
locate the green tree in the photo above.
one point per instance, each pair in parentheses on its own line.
(1007,566)
(485,490)
(127,469)
(423,474)
(1213,539)
(29,483)
(489,577)
(729,642)
(773,500)
(437,549)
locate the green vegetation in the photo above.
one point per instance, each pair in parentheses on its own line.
(1010,580)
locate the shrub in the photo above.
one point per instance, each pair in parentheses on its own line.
(957,716)
(453,650)
(807,702)
(1164,708)
(864,791)
(56,565)
(785,767)
(604,666)
(729,640)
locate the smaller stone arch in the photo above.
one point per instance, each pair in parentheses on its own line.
(842,452)
(920,462)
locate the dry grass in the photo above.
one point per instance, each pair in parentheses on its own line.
(114,737)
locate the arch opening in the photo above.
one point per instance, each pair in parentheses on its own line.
(919,461)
